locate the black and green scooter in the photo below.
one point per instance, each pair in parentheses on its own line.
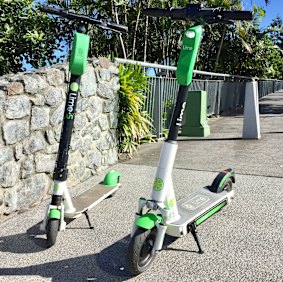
(62,205)
(162,214)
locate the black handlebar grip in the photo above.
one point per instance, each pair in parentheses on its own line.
(178,13)
(156,12)
(238,15)
(49,10)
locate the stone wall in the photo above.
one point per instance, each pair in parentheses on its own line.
(31,114)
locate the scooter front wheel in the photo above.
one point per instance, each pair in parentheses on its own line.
(140,251)
(52,231)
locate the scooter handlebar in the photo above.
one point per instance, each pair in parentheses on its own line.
(73,16)
(196,11)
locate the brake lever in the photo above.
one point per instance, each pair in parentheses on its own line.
(228,22)
(109,28)
(217,19)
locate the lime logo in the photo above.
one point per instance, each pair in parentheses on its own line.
(171,203)
(74,87)
(71,105)
(187,48)
(180,118)
(69,116)
(158,184)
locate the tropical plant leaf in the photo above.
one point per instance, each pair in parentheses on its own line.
(133,122)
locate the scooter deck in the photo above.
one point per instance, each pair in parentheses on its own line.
(91,198)
(193,206)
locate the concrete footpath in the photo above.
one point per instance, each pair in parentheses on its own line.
(243,242)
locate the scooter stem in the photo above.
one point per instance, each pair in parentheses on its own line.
(163,191)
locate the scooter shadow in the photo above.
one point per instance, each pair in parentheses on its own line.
(108,265)
(33,241)
(30,242)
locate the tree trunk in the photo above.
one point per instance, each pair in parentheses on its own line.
(136,29)
(120,36)
(168,47)
(220,48)
(126,23)
(146,34)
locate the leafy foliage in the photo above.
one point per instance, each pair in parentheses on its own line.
(133,123)
(275,31)
(102,42)
(26,35)
(249,51)
(30,36)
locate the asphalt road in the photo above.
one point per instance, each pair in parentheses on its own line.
(243,242)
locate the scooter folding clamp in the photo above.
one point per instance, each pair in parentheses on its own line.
(151,204)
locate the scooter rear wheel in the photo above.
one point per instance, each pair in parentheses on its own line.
(141,252)
(52,231)
(228,185)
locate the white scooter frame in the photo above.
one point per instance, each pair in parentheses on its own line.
(162,214)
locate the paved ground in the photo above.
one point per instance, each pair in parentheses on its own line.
(242,243)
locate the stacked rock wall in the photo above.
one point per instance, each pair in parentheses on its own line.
(31,114)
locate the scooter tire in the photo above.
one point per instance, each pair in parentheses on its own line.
(140,251)
(228,185)
(52,232)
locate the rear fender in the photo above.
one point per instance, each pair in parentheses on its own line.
(220,180)
(112,178)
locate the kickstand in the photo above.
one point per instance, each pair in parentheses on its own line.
(88,220)
(193,229)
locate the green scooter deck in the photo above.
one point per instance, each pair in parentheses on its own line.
(91,198)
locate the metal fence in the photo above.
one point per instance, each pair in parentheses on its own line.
(225,93)
(266,87)
(222,97)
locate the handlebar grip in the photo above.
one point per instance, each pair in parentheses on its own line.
(118,27)
(49,10)
(156,12)
(238,15)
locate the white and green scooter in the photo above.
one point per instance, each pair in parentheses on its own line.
(162,214)
(62,206)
